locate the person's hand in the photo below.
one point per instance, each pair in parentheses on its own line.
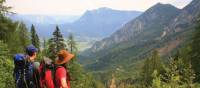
(64,83)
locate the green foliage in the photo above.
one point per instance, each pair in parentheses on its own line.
(14,34)
(178,73)
(23,36)
(72,46)
(56,43)
(172,75)
(6,67)
(45,48)
(80,78)
(195,54)
(156,80)
(34,37)
(151,64)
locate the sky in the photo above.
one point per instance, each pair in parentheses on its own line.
(78,7)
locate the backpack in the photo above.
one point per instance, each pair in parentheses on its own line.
(46,71)
(47,74)
(23,71)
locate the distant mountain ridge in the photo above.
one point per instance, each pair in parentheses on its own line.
(93,23)
(44,24)
(43,19)
(101,22)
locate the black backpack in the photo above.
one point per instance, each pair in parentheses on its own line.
(23,72)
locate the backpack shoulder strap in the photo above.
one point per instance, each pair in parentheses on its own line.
(54,74)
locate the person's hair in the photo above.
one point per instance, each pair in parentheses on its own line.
(60,57)
(30,53)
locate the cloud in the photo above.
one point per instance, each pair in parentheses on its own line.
(77,7)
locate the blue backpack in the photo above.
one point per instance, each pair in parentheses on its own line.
(23,72)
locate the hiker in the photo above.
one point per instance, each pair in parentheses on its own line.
(23,71)
(62,77)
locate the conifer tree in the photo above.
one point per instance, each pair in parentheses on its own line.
(45,47)
(189,76)
(56,43)
(34,37)
(172,75)
(24,36)
(72,44)
(156,80)
(195,54)
(151,64)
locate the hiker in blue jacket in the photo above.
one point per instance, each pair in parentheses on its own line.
(23,71)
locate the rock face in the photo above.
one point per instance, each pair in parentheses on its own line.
(153,19)
(161,27)
(187,16)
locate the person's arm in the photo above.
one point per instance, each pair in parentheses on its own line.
(64,82)
(63,79)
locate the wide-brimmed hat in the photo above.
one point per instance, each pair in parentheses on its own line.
(63,57)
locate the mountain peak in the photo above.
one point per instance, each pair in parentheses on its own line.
(159,4)
(162,6)
(161,9)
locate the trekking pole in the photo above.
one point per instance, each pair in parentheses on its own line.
(36,80)
(25,75)
(25,80)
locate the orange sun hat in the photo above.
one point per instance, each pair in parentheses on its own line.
(63,57)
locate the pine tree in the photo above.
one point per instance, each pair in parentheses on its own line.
(146,72)
(14,34)
(157,62)
(24,36)
(56,43)
(72,44)
(151,64)
(195,54)
(34,37)
(58,39)
(189,76)
(45,47)
(172,75)
(156,80)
